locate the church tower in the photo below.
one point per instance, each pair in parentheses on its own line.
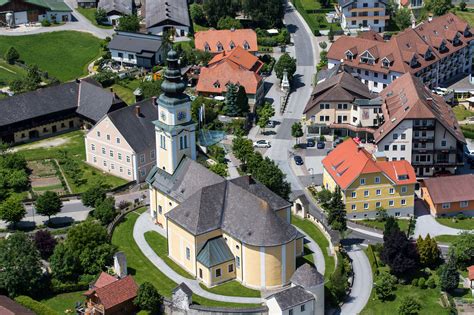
(175,130)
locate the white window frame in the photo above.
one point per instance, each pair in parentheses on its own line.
(446,205)
(362,181)
(391,203)
(377,180)
(464,204)
(366,206)
(391,191)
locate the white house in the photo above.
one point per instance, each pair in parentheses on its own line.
(115,9)
(362,14)
(136,49)
(163,15)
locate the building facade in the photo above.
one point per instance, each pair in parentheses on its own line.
(27,11)
(115,9)
(122,143)
(344,106)
(437,51)
(419,127)
(369,183)
(357,15)
(449,196)
(217,229)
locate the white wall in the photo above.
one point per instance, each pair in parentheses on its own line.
(405,127)
(181,31)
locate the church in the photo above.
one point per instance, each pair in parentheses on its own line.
(218,229)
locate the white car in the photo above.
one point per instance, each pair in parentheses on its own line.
(262,144)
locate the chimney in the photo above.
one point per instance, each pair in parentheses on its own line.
(153,100)
(429,100)
(430,17)
(232,29)
(137,111)
(413,23)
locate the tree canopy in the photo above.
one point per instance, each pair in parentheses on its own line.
(12,210)
(438,7)
(449,275)
(236,101)
(402,18)
(129,23)
(462,249)
(45,243)
(337,211)
(399,253)
(21,267)
(48,204)
(105,211)
(297,130)
(285,62)
(93,196)
(428,251)
(12,55)
(148,298)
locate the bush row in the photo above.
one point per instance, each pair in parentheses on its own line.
(35,306)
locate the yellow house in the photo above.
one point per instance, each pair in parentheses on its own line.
(369,183)
(217,229)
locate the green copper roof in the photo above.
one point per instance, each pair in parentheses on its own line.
(190,125)
(173,86)
(214,252)
(52,5)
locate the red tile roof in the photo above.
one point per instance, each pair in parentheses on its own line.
(408,98)
(116,292)
(237,67)
(409,44)
(450,188)
(470,271)
(226,38)
(348,161)
(104,279)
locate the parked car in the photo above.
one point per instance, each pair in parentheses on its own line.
(321,145)
(337,142)
(262,144)
(310,143)
(271,124)
(298,160)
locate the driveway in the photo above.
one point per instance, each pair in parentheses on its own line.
(362,283)
(81,25)
(427,224)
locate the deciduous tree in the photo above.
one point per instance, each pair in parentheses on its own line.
(148,298)
(48,204)
(21,267)
(129,23)
(399,253)
(93,196)
(438,7)
(242,148)
(384,286)
(12,210)
(463,249)
(227,23)
(12,55)
(45,243)
(285,62)
(297,131)
(403,18)
(105,212)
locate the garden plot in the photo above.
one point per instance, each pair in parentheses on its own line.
(44,177)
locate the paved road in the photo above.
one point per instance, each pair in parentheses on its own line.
(81,24)
(143,225)
(362,284)
(318,256)
(72,211)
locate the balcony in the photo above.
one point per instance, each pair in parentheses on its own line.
(422,151)
(423,139)
(425,127)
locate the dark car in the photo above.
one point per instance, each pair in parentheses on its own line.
(310,143)
(321,145)
(337,142)
(298,160)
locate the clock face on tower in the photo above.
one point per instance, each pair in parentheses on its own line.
(181,116)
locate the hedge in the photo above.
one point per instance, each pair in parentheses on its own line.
(372,259)
(59,287)
(35,306)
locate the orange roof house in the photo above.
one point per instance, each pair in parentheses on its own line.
(237,67)
(216,41)
(450,195)
(110,295)
(369,182)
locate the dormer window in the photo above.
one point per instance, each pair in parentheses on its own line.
(442,47)
(232,45)
(246,45)
(220,47)
(217,84)
(456,40)
(467,32)
(385,63)
(367,58)
(413,62)
(349,55)
(402,177)
(428,54)
(207,47)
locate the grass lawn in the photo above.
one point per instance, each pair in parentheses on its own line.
(465,224)
(88,13)
(306,258)
(232,288)
(316,21)
(143,270)
(462,113)
(62,302)
(199,28)
(319,238)
(466,15)
(124,93)
(73,143)
(9,72)
(159,245)
(428,298)
(448,239)
(403,224)
(64,54)
(468,131)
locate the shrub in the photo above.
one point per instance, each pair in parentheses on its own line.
(414,282)
(384,286)
(431,283)
(64,287)
(35,306)
(45,23)
(409,306)
(421,283)
(12,55)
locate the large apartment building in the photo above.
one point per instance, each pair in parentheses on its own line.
(437,51)
(362,14)
(419,127)
(343,105)
(369,183)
